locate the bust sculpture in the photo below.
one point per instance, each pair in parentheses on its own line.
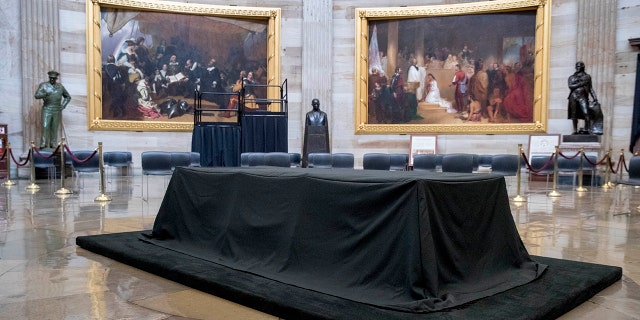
(316,132)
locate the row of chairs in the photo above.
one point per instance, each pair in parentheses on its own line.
(163,163)
(331,160)
(370,161)
(114,159)
(502,164)
(271,159)
(459,162)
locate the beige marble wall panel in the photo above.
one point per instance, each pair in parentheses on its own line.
(625,72)
(343,75)
(562,64)
(10,84)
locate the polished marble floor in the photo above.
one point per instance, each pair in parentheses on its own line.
(43,275)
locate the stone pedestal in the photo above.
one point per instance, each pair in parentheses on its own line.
(581,138)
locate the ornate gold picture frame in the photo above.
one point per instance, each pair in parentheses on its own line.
(427,42)
(198,36)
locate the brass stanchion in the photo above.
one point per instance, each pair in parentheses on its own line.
(62,189)
(580,187)
(102,196)
(607,173)
(32,185)
(554,192)
(518,197)
(8,183)
(620,164)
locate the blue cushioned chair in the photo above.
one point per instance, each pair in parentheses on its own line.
(80,166)
(398,161)
(118,160)
(277,159)
(504,164)
(155,163)
(542,166)
(322,160)
(458,162)
(195,159)
(634,172)
(180,159)
(296,159)
(425,162)
(376,161)
(45,161)
(342,160)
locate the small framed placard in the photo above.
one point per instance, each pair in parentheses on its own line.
(543,144)
(422,145)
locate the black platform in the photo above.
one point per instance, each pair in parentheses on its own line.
(564,285)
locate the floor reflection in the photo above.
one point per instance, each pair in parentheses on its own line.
(44,275)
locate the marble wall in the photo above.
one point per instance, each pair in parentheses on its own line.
(307,68)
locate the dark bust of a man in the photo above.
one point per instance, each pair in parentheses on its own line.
(316,132)
(316,117)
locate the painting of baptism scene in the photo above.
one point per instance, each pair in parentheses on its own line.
(153,63)
(470,69)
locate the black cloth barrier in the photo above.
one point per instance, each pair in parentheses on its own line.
(405,241)
(218,145)
(264,132)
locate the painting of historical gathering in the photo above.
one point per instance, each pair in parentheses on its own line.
(153,62)
(452,69)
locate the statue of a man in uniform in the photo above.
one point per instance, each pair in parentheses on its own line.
(55,98)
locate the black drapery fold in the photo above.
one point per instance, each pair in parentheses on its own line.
(219,145)
(407,241)
(264,133)
(635,120)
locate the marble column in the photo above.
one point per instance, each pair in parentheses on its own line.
(317,62)
(40,38)
(596,47)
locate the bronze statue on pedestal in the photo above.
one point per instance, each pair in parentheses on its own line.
(55,98)
(579,105)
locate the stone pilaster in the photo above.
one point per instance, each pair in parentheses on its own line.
(596,47)
(317,62)
(40,38)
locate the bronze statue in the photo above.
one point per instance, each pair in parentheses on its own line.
(579,105)
(316,133)
(55,98)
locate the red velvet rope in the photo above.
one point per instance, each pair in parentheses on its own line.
(622,163)
(53,154)
(23,163)
(597,163)
(4,154)
(526,161)
(610,163)
(567,157)
(74,158)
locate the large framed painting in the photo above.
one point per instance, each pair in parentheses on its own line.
(472,68)
(146,59)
